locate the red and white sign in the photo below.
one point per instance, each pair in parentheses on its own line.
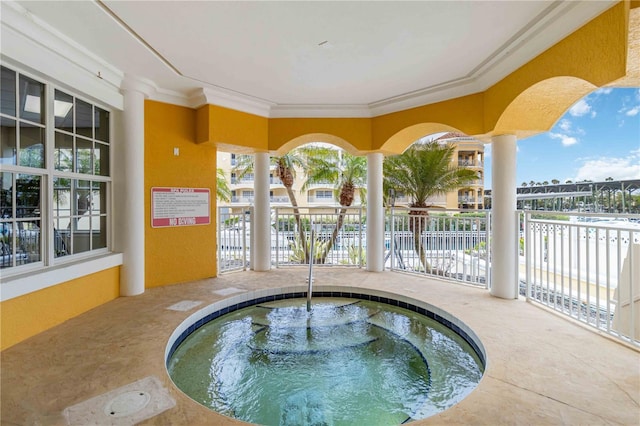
(180,207)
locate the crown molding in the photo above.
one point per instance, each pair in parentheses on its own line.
(320,111)
(230,99)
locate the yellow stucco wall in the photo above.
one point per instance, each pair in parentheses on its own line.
(182,253)
(396,131)
(353,134)
(33,313)
(224,127)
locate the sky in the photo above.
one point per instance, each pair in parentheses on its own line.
(597,138)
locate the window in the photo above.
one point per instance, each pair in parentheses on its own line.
(324,194)
(82,147)
(21,219)
(38,119)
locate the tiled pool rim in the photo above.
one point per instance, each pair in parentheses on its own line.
(240,301)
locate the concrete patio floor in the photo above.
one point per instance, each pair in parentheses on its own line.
(541,368)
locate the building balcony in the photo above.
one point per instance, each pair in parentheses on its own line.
(470,163)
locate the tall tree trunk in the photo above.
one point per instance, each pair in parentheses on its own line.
(334,236)
(296,215)
(418,223)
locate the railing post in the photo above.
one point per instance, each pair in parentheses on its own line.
(527,254)
(360,238)
(489,240)
(277,239)
(244,241)
(392,242)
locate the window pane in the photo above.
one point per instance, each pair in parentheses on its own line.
(101,159)
(28,242)
(6,244)
(81,234)
(61,216)
(101,123)
(8,92)
(7,141)
(63,154)
(62,198)
(63,111)
(84,156)
(82,203)
(99,198)
(84,119)
(31,146)
(6,197)
(31,100)
(99,232)
(27,196)
(60,238)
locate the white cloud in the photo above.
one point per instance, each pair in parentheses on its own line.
(581,108)
(599,169)
(565,139)
(565,125)
(632,112)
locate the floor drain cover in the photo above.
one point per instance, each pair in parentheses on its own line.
(125,406)
(127,403)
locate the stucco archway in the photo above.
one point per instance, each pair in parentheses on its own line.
(316,137)
(403,139)
(538,108)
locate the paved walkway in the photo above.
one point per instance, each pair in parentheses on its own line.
(541,368)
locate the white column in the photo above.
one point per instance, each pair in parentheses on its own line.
(504,237)
(130,191)
(262,214)
(375,213)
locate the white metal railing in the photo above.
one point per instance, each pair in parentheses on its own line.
(339,237)
(234,238)
(586,266)
(453,244)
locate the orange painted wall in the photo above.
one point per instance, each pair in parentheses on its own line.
(33,313)
(464,114)
(224,127)
(183,253)
(356,131)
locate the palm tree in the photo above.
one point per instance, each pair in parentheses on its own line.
(285,170)
(223,193)
(348,172)
(422,171)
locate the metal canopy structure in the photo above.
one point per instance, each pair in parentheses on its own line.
(596,196)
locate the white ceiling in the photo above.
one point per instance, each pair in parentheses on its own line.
(317,57)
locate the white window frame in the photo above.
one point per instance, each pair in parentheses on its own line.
(19,280)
